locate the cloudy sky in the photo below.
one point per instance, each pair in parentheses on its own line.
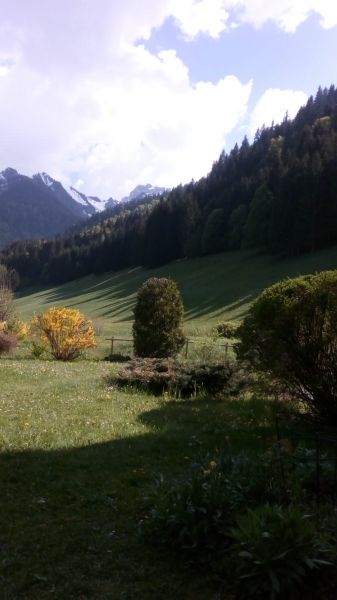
(108,94)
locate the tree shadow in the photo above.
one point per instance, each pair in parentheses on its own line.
(70,516)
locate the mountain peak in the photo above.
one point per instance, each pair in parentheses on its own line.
(45,178)
(144,191)
(9,173)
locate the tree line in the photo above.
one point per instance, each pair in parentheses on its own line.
(277,194)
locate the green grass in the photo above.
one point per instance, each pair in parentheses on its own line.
(77,462)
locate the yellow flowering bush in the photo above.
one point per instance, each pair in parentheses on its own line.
(67,331)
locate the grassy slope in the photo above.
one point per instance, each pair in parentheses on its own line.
(214,288)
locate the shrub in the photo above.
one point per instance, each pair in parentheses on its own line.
(67,331)
(7,342)
(6,303)
(276,548)
(291,333)
(159,375)
(157,329)
(227,329)
(37,349)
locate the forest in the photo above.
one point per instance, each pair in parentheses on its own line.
(276,195)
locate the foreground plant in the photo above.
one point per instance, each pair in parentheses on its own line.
(232,515)
(275,550)
(67,331)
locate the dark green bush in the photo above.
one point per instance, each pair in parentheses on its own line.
(157,329)
(275,550)
(290,332)
(160,375)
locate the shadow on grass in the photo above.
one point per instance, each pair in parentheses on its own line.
(70,517)
(208,284)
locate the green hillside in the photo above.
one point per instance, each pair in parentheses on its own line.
(214,288)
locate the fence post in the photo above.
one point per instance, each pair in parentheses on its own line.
(317,473)
(186,349)
(112,346)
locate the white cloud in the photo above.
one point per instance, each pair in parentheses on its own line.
(82,99)
(207,17)
(273,106)
(154,126)
(287,14)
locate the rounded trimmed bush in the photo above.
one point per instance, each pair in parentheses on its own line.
(290,332)
(157,329)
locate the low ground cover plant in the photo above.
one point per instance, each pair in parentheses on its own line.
(180,379)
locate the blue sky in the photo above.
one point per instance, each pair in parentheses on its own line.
(272,57)
(106,95)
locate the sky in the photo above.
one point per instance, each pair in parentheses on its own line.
(108,94)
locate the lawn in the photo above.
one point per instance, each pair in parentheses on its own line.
(78,460)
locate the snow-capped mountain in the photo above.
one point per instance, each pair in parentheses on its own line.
(87,205)
(40,206)
(144,191)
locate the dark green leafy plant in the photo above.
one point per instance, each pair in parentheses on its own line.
(37,349)
(275,550)
(194,514)
(157,329)
(290,332)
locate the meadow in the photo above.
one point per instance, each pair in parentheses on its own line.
(80,457)
(214,288)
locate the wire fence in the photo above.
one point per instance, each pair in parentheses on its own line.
(318,450)
(226,346)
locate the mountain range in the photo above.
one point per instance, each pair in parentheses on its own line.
(40,206)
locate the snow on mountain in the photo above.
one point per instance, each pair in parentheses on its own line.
(46,179)
(89,204)
(88,201)
(144,191)
(77,202)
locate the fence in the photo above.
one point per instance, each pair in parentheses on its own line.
(318,449)
(114,339)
